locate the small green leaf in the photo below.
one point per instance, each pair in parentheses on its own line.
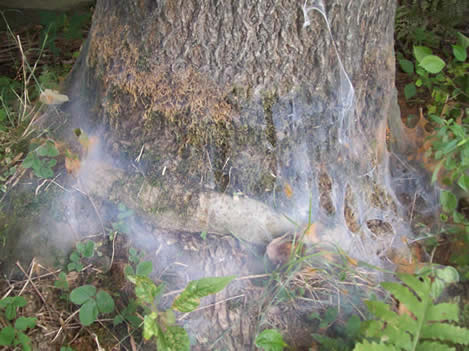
(88,312)
(203,235)
(420,52)
(24,341)
(104,301)
(352,327)
(23,323)
(270,340)
(459,53)
(145,289)
(407,66)
(47,149)
(117,320)
(150,326)
(463,182)
(448,201)
(7,335)
(410,91)
(175,338)
(448,274)
(432,64)
(189,298)
(82,294)
(144,268)
(463,40)
(88,249)
(74,257)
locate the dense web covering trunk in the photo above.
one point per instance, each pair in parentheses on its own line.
(238,113)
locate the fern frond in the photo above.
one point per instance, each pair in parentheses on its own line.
(446,332)
(434,346)
(414,283)
(443,312)
(426,330)
(405,296)
(366,346)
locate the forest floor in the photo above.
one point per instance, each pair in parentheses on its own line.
(54,217)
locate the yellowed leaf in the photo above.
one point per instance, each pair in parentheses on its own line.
(72,165)
(287,189)
(310,234)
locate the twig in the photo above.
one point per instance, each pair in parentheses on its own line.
(113,249)
(34,285)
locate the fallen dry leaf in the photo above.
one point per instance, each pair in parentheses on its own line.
(287,189)
(72,165)
(52,97)
(311,235)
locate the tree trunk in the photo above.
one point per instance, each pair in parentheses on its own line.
(230,100)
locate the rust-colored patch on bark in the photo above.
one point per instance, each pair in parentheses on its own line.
(164,88)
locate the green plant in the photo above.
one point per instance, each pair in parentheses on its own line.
(270,340)
(41,160)
(427,74)
(345,336)
(83,250)
(161,325)
(426,326)
(92,303)
(13,334)
(124,214)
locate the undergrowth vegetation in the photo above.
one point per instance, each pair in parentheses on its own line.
(412,313)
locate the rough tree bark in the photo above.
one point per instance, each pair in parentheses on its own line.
(200,86)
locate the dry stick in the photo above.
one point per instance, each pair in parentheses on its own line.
(113,249)
(64,324)
(39,276)
(115,337)
(35,287)
(211,305)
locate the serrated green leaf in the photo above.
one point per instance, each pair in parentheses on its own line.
(420,52)
(432,64)
(271,340)
(23,323)
(443,312)
(104,301)
(82,294)
(47,149)
(88,312)
(448,201)
(367,346)
(189,299)
(410,91)
(7,335)
(415,284)
(448,274)
(404,296)
(433,346)
(144,268)
(407,66)
(446,332)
